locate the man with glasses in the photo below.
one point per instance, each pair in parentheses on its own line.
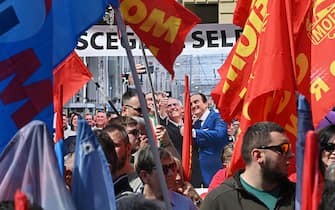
(146,169)
(263,184)
(174,122)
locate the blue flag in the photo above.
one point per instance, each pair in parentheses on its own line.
(305,124)
(92,184)
(60,155)
(35,36)
(115,3)
(29,164)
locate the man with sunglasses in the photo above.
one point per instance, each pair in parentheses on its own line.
(263,184)
(146,169)
(131,104)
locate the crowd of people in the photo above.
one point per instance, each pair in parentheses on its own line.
(126,130)
(266,151)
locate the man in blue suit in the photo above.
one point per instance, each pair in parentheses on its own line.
(209,137)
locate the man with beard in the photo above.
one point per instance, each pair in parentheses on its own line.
(123,166)
(263,184)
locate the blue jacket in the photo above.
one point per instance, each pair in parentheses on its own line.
(210,139)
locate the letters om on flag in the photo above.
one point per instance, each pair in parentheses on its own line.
(161,25)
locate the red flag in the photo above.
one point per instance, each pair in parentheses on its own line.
(315,59)
(72,74)
(241,13)
(226,94)
(21,200)
(187,136)
(59,115)
(259,82)
(161,25)
(69,77)
(310,181)
(59,137)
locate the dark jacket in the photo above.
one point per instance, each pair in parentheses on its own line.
(174,135)
(232,195)
(121,185)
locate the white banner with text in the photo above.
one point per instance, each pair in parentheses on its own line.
(203,39)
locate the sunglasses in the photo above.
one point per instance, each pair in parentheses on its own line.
(283,148)
(329,147)
(139,109)
(172,166)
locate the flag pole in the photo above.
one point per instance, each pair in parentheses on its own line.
(151,86)
(106,97)
(124,41)
(173,150)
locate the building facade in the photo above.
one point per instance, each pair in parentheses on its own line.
(220,11)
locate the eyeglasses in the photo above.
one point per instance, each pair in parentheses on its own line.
(172,166)
(139,109)
(283,148)
(329,147)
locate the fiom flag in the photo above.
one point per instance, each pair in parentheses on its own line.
(242,11)
(259,75)
(35,36)
(315,59)
(309,41)
(161,25)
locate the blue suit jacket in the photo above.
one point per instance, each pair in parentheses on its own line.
(210,139)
